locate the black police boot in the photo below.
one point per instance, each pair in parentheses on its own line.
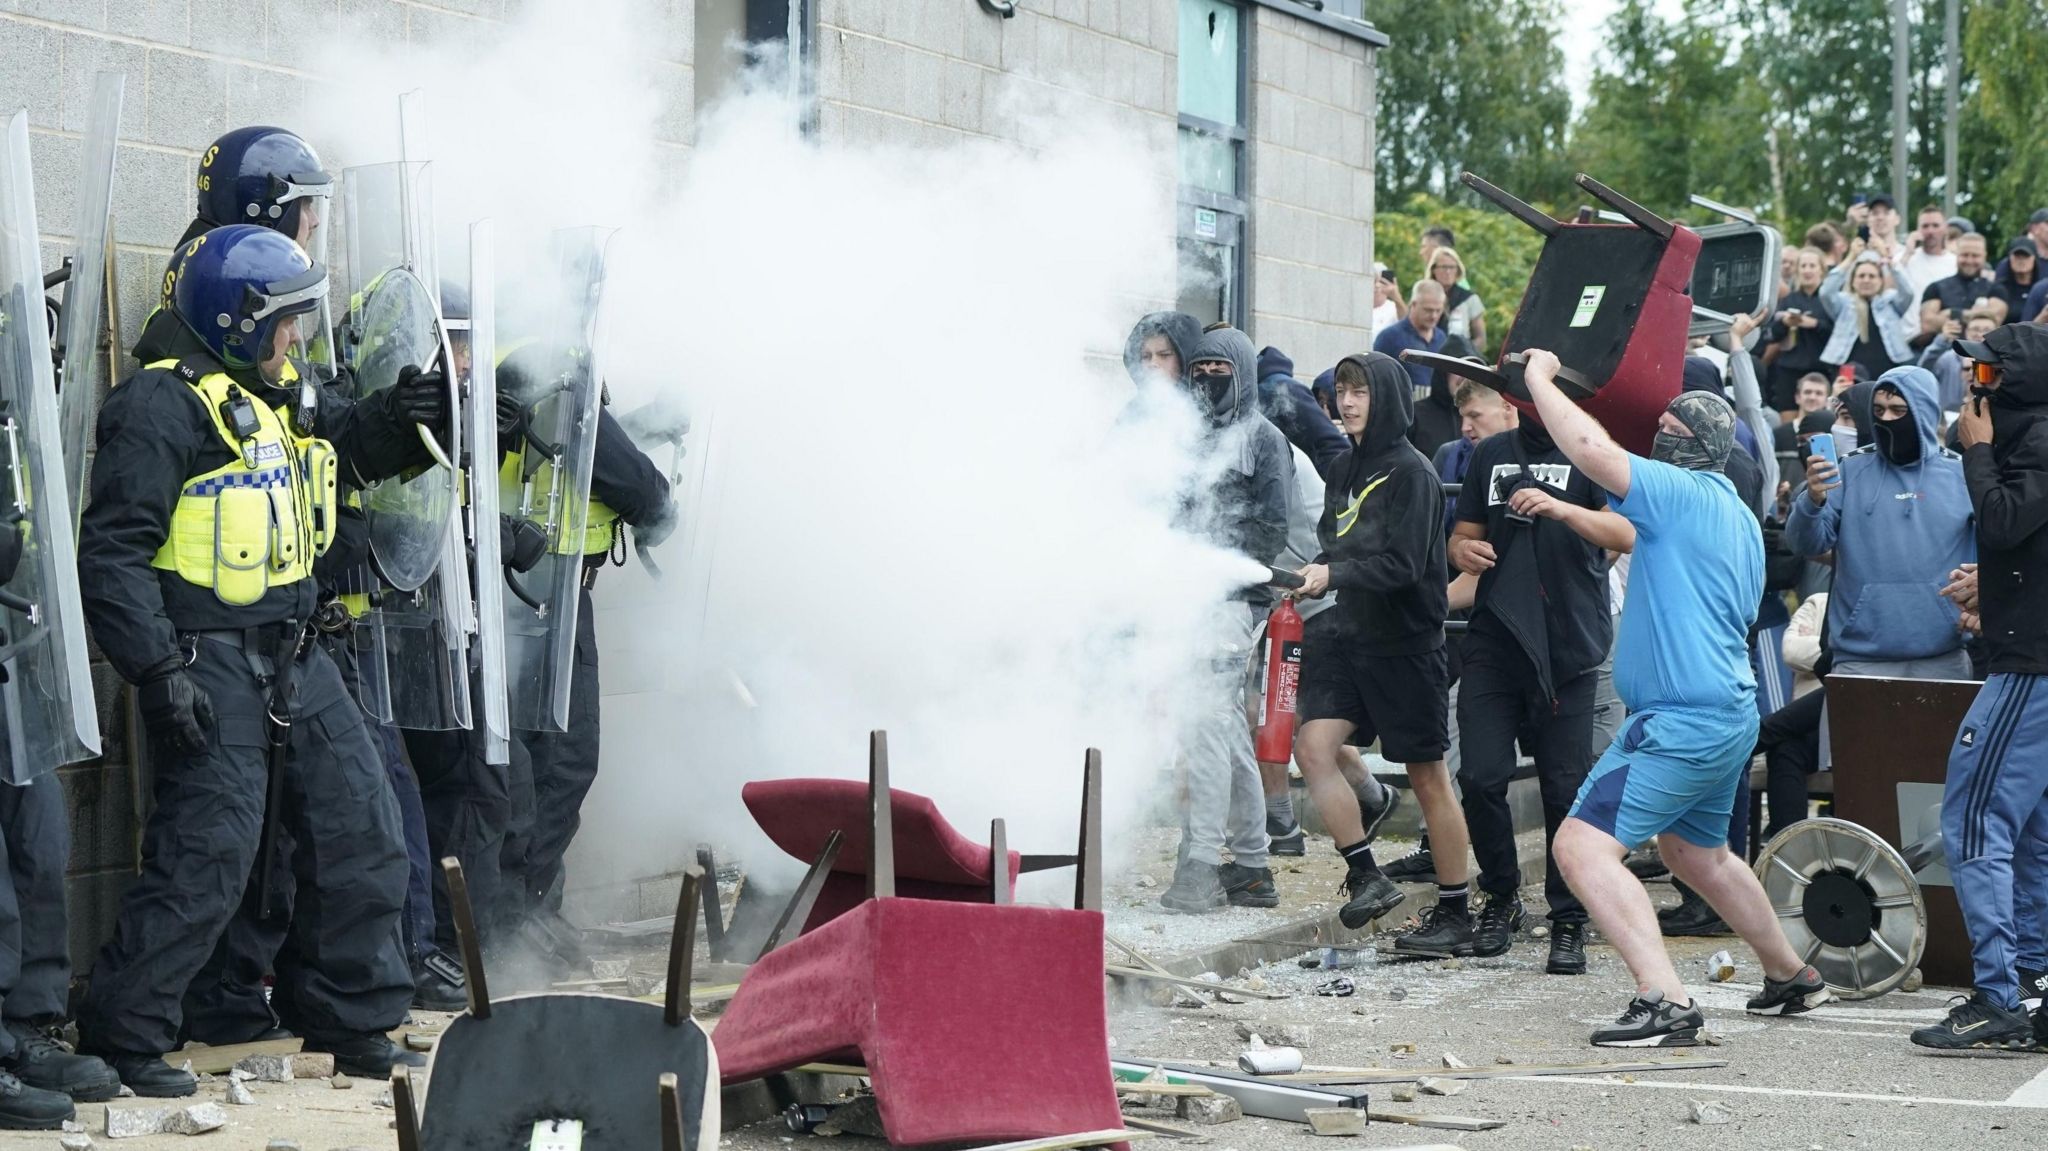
(1498,922)
(26,1108)
(1567,949)
(1371,894)
(47,1065)
(367,1056)
(1197,889)
(1248,886)
(438,983)
(149,1076)
(1418,866)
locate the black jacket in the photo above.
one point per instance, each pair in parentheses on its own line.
(154,433)
(621,476)
(1292,408)
(2008,480)
(1382,529)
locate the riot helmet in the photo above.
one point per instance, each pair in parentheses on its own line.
(246,292)
(271,177)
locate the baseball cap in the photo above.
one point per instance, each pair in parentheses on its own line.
(1884,198)
(2040,216)
(1962,224)
(2021,349)
(2023,244)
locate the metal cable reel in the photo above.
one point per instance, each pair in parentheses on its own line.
(1849,904)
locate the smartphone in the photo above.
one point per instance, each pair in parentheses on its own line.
(1956,314)
(1863,233)
(1823,445)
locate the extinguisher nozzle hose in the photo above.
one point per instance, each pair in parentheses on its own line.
(1282,578)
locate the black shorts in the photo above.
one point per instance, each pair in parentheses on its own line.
(1400,700)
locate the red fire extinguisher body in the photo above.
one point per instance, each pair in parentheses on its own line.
(1280,684)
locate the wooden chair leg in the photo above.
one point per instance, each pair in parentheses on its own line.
(407,1120)
(467,938)
(714,913)
(806,896)
(671,1113)
(1638,215)
(999,862)
(682,949)
(1088,857)
(881,820)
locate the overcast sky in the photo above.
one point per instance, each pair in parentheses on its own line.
(1582,41)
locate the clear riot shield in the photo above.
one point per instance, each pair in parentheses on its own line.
(482,474)
(77,351)
(556,373)
(46,700)
(393,327)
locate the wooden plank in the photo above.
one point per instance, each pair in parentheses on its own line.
(1439,1122)
(1071,1142)
(1140,958)
(220,1060)
(1188,1089)
(1140,973)
(1347,1075)
(1166,1129)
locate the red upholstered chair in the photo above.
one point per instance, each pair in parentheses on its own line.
(978,1020)
(1612,301)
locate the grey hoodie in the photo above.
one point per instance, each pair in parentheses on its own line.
(1245,506)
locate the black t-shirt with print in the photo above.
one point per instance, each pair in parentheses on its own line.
(1560,591)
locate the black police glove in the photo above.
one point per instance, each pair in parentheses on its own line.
(421,396)
(521,543)
(655,528)
(175,709)
(511,423)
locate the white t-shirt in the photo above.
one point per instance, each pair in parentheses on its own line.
(1383,317)
(1923,269)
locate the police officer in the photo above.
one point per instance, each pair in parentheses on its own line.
(212,494)
(625,489)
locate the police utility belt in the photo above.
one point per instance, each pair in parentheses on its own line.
(260,521)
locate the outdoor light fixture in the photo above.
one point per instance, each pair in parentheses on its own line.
(1003,8)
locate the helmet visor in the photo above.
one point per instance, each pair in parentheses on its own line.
(302,332)
(301,211)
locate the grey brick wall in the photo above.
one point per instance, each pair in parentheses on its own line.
(920,72)
(1311,190)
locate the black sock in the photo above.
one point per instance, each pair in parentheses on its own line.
(1458,899)
(1359,856)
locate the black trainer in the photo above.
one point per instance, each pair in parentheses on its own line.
(1418,866)
(1286,840)
(1442,932)
(1371,894)
(1801,993)
(1196,889)
(1248,886)
(438,983)
(1567,949)
(26,1108)
(2041,1028)
(1692,917)
(149,1076)
(1651,1022)
(2033,989)
(1646,863)
(1376,803)
(1977,1024)
(1499,919)
(367,1056)
(47,1065)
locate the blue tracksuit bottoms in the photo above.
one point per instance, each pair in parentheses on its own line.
(1994,824)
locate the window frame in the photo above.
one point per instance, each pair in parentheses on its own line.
(1238,203)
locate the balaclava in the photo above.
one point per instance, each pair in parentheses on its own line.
(1712,423)
(1898,441)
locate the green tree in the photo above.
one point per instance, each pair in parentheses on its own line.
(2003,151)
(1470,85)
(1499,251)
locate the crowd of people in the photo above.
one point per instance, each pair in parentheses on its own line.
(1643,628)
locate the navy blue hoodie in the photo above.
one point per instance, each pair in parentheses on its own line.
(1293,409)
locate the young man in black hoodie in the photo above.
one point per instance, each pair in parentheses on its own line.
(1374,665)
(1994,814)
(1534,530)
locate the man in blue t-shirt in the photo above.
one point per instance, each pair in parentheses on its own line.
(1681,664)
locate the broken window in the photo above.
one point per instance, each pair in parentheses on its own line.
(733,36)
(1212,149)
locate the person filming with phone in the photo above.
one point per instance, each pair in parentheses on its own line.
(1896,516)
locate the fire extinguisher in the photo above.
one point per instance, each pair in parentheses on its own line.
(1280,684)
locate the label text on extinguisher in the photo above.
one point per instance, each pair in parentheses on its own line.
(1289,677)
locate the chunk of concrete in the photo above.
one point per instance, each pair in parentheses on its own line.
(197,1119)
(1336,1120)
(239,1094)
(610,969)
(1708,1113)
(1402,1092)
(312,1065)
(1209,1110)
(1278,1034)
(340,1082)
(75,1142)
(267,1068)
(280,1145)
(1453,1063)
(1434,1086)
(133,1122)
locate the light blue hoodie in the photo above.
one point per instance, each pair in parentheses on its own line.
(1896,533)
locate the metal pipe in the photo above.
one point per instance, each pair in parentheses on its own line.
(1901,58)
(1953,66)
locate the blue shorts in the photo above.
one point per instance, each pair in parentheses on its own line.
(1670,770)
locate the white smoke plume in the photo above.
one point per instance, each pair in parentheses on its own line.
(914,496)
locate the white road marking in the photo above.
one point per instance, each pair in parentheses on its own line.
(2032,1093)
(2036,1092)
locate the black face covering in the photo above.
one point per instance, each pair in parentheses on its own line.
(1898,441)
(1217,393)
